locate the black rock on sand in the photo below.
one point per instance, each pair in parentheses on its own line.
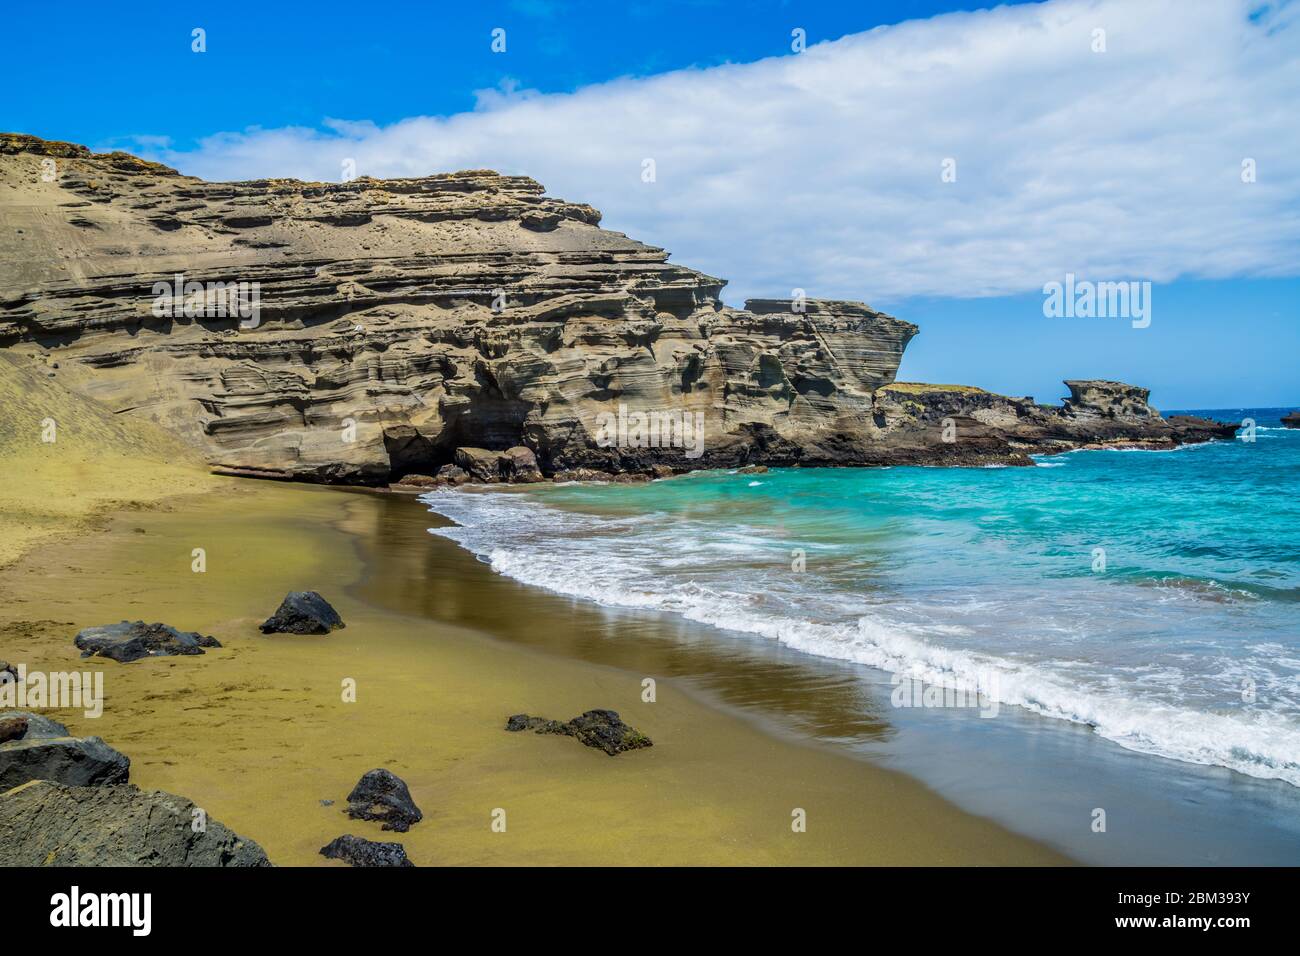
(48,824)
(302,612)
(602,729)
(361,852)
(132,640)
(383,796)
(33,747)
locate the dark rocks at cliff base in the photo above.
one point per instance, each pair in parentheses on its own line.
(132,640)
(453,475)
(752,470)
(44,823)
(602,729)
(1291,420)
(383,796)
(34,747)
(357,851)
(516,465)
(302,612)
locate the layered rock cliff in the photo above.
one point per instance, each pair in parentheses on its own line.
(391,322)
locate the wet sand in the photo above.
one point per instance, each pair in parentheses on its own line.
(442,650)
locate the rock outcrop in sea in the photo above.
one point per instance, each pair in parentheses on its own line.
(403,326)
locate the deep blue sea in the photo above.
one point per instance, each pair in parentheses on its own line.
(1151,596)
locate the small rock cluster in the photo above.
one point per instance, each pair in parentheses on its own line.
(602,729)
(132,640)
(383,797)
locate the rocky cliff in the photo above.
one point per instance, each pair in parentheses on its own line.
(365,330)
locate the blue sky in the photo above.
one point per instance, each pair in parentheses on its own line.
(779,170)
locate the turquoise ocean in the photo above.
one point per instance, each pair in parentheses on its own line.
(1153,597)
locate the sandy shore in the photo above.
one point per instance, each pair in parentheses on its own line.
(258,733)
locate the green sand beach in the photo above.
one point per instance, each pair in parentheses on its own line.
(258,734)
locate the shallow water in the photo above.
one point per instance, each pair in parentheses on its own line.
(1182,646)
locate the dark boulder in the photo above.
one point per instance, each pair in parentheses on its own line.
(361,852)
(132,640)
(49,824)
(38,748)
(601,729)
(604,730)
(382,795)
(302,612)
(1291,420)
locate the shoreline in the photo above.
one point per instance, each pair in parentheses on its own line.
(1031,771)
(256,732)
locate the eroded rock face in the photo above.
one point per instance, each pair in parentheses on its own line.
(960,425)
(132,640)
(49,824)
(403,319)
(400,320)
(34,747)
(1094,398)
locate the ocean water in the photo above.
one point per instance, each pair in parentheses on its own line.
(1151,596)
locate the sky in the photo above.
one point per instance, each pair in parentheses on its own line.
(943,161)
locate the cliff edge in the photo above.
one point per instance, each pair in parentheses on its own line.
(365,330)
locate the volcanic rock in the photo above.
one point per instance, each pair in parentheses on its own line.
(361,852)
(602,729)
(1291,420)
(302,612)
(43,823)
(34,747)
(132,640)
(382,795)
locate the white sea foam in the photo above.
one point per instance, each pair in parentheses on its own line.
(586,559)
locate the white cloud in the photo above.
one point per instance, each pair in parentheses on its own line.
(822,170)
